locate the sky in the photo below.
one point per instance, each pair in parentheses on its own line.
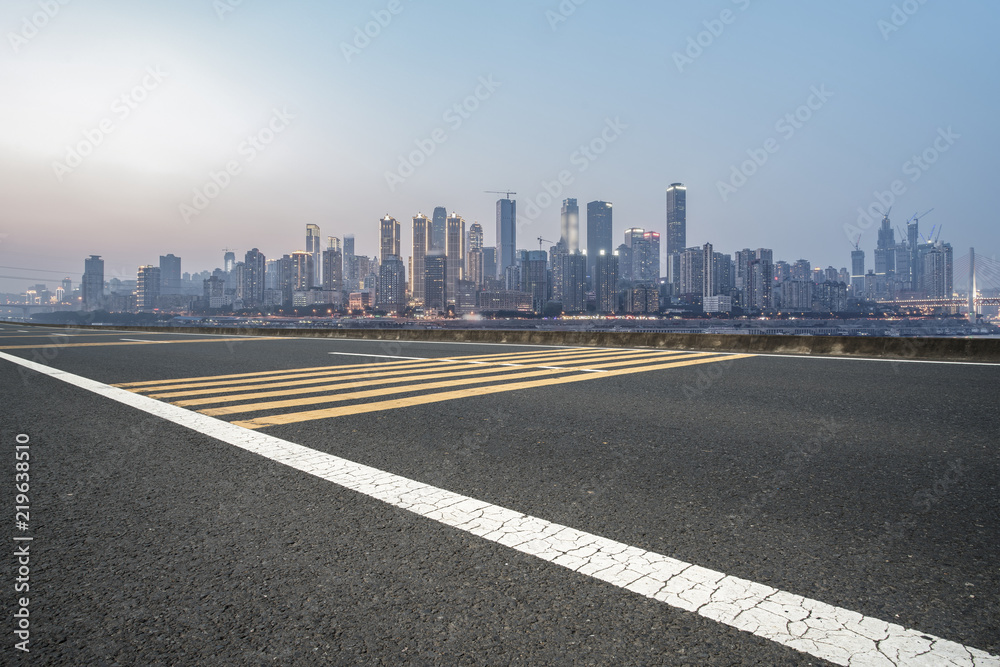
(133,129)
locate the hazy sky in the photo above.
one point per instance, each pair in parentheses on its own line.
(113,114)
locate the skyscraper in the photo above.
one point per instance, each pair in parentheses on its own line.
(475,236)
(92,287)
(455,251)
(314,247)
(147,287)
(333,266)
(228,261)
(858,272)
(676,218)
(651,261)
(709,272)
(574,282)
(438,230)
(391,293)
(606,282)
(534,278)
(254,264)
(350,264)
(389,241)
(569,226)
(302,271)
(422,228)
(885,254)
(170,274)
(599,232)
(436,265)
(506,235)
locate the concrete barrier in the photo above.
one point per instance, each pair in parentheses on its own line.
(940,349)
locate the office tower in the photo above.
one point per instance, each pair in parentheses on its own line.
(333,266)
(391,293)
(475,272)
(438,229)
(302,271)
(692,271)
(67,285)
(489,263)
(254,265)
(389,240)
(723,278)
(858,272)
(170,274)
(455,252)
(506,235)
(236,282)
(599,232)
(228,261)
(314,246)
(574,282)
(569,225)
(436,270)
(422,228)
(475,236)
(884,250)
(92,287)
(147,287)
(606,282)
(534,278)
(625,263)
(272,274)
(651,258)
(631,262)
(676,221)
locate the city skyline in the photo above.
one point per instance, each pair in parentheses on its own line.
(311,140)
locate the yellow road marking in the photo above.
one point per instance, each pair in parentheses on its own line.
(349,373)
(424,399)
(399,389)
(152,342)
(164,383)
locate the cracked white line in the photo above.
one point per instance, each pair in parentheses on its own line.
(838,635)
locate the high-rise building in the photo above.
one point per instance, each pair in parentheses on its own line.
(692,271)
(170,274)
(858,272)
(422,228)
(436,273)
(92,287)
(314,246)
(391,293)
(709,272)
(606,282)
(228,261)
(676,218)
(506,235)
(761,280)
(147,287)
(574,282)
(599,232)
(631,262)
(534,278)
(651,259)
(389,239)
(475,236)
(489,263)
(438,229)
(254,266)
(885,255)
(475,273)
(302,271)
(350,264)
(569,225)
(455,251)
(333,266)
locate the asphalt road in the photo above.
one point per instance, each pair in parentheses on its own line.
(871,486)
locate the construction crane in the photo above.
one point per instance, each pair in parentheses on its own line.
(916,219)
(541,240)
(857,242)
(506,193)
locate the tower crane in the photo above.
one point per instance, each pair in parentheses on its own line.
(506,193)
(541,240)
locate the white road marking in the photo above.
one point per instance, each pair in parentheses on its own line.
(822,630)
(138,340)
(886,361)
(375,356)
